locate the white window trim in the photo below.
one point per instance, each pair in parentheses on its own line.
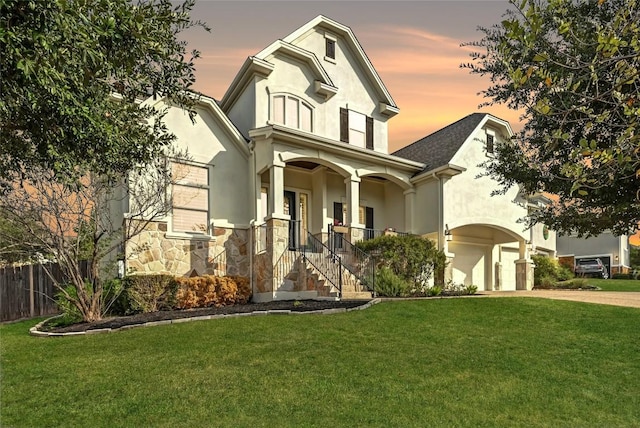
(195,235)
(284,113)
(334,39)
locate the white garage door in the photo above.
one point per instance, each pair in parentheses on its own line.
(468,264)
(509,257)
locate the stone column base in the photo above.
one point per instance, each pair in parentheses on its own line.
(524,274)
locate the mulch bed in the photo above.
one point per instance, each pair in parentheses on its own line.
(282,305)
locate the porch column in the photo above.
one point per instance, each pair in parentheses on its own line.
(409,206)
(257,200)
(353,201)
(524,268)
(276,191)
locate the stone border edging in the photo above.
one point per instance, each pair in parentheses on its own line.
(35,330)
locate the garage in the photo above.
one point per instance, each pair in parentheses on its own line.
(469,264)
(508,260)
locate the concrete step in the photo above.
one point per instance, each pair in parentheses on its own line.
(356,295)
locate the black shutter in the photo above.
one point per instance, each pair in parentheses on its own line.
(368,217)
(344,125)
(337,212)
(369,135)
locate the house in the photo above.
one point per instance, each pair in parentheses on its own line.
(292,166)
(612,250)
(481,234)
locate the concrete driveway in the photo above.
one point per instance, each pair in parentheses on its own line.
(615,298)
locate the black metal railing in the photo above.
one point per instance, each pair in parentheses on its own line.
(219,264)
(361,264)
(324,260)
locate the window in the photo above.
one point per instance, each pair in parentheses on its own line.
(292,112)
(489,146)
(330,50)
(330,47)
(356,128)
(190,198)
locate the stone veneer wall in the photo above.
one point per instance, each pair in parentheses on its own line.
(153,252)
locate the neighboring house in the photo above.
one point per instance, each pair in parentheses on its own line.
(295,155)
(612,250)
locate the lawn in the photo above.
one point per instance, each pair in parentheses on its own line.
(616,284)
(442,362)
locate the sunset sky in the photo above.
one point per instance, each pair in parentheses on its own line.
(414,46)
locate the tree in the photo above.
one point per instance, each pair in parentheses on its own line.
(61,62)
(573,69)
(74,224)
(74,135)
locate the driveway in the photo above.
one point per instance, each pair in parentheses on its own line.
(615,298)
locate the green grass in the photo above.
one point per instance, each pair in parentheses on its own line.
(445,362)
(616,284)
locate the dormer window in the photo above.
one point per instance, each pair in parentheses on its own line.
(330,47)
(292,112)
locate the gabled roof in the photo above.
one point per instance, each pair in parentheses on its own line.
(438,149)
(348,35)
(212,106)
(259,64)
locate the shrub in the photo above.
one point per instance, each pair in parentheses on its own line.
(148,293)
(621,276)
(453,289)
(434,291)
(113,298)
(547,282)
(410,257)
(549,268)
(388,284)
(575,284)
(470,289)
(209,290)
(70,313)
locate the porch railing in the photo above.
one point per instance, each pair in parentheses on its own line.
(361,264)
(324,260)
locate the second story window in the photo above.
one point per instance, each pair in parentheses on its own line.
(330,49)
(489,146)
(356,128)
(292,112)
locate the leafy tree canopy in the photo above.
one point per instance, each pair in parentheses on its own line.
(62,61)
(573,68)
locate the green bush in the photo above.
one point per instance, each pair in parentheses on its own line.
(621,276)
(112,297)
(70,313)
(388,284)
(148,293)
(549,269)
(434,291)
(410,257)
(470,289)
(547,282)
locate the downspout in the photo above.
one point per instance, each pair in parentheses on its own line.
(440,209)
(252,222)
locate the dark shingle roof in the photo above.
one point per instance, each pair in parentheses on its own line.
(438,149)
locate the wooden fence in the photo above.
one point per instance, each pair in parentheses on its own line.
(28,291)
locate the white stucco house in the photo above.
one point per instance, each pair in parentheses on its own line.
(296,154)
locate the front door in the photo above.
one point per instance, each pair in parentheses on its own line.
(290,209)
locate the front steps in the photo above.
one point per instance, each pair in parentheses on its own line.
(320,273)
